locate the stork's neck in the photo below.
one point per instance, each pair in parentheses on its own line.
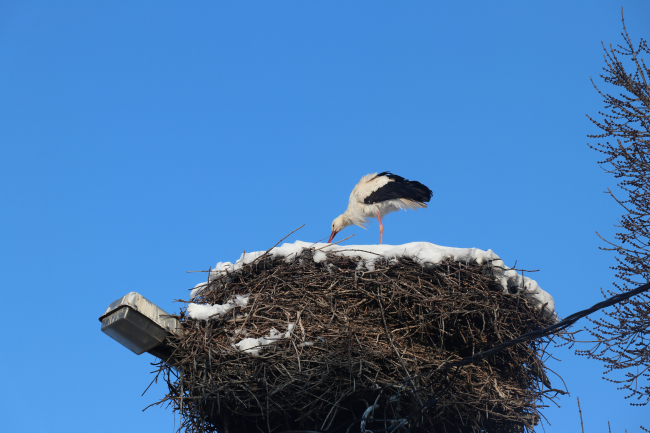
(353,218)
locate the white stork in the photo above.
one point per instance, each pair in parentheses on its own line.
(377,195)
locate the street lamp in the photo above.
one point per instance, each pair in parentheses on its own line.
(140,325)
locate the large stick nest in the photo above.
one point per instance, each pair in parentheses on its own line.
(362,353)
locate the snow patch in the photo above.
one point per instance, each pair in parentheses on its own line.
(205,312)
(319,256)
(255,345)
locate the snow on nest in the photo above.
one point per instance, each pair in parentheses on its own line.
(205,312)
(255,345)
(423,253)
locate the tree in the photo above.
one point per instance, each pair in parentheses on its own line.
(622,337)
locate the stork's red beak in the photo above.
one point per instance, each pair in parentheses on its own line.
(332,237)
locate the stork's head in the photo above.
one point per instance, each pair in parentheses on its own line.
(339,223)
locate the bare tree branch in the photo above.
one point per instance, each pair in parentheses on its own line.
(622,337)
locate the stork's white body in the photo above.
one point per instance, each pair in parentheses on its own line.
(378,195)
(358,212)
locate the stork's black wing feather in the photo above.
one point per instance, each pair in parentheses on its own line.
(399,188)
(390,175)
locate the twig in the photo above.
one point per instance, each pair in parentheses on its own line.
(580,410)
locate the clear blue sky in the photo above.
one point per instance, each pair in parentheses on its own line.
(141,140)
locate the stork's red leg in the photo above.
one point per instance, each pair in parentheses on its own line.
(381,229)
